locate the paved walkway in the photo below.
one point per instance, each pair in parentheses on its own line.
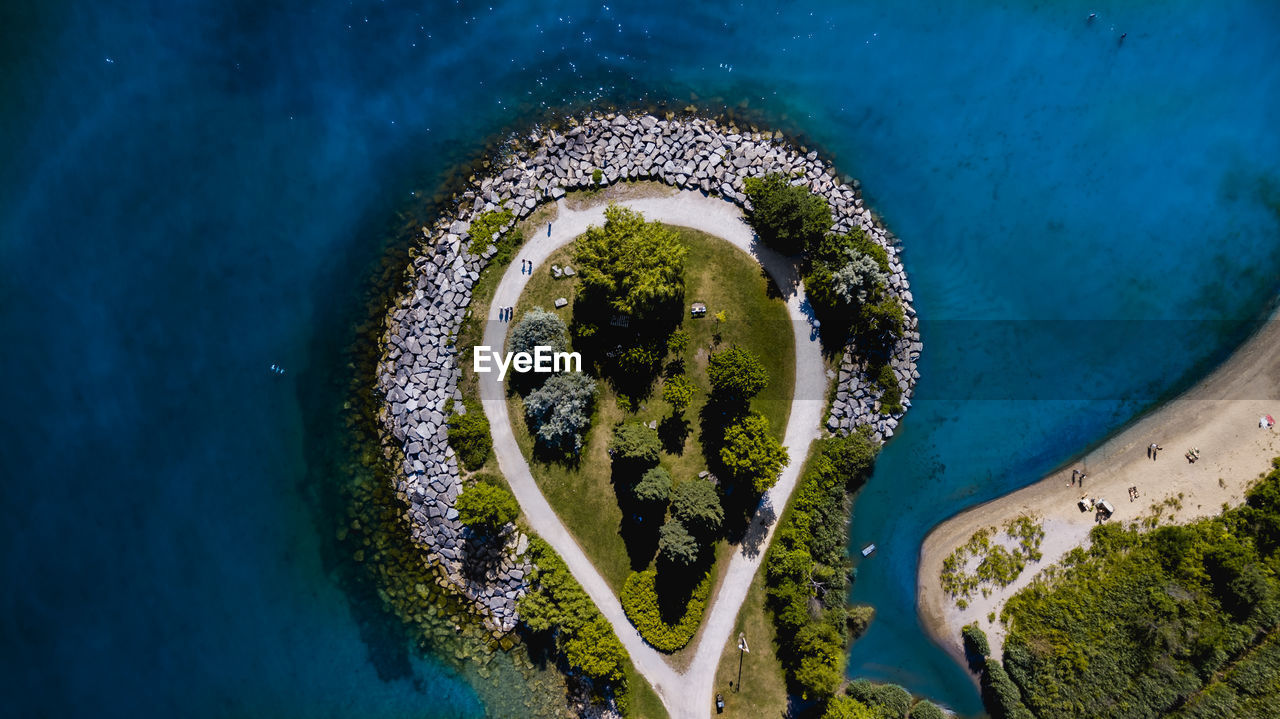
(687,695)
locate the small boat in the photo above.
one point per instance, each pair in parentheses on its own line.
(868,550)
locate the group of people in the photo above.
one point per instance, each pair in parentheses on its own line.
(1077,477)
(1193,454)
(1133,493)
(1152,449)
(526,267)
(504,313)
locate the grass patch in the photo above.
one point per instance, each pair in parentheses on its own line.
(763,691)
(582,494)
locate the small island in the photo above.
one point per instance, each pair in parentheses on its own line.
(746,341)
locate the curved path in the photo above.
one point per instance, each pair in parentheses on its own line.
(686,695)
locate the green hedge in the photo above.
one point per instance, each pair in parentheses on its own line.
(641,603)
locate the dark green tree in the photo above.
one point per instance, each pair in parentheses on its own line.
(676,544)
(736,374)
(752,456)
(697,506)
(820,650)
(469,436)
(559,411)
(486,508)
(789,218)
(654,486)
(636,445)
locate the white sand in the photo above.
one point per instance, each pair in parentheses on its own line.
(1234,451)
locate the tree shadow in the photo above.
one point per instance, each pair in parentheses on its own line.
(640,520)
(674,431)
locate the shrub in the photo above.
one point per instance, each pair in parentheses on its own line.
(1001,695)
(539,327)
(469,436)
(677,341)
(789,218)
(859,618)
(597,175)
(697,506)
(736,374)
(676,544)
(636,445)
(820,649)
(559,411)
(925,709)
(486,508)
(891,393)
(640,601)
(841,707)
(678,391)
(632,265)
(556,602)
(893,700)
(975,642)
(654,486)
(487,224)
(751,454)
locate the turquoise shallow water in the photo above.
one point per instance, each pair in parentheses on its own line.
(191,192)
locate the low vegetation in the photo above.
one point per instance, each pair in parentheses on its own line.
(665,624)
(486,507)
(1178,621)
(807,570)
(788,218)
(469,436)
(986,560)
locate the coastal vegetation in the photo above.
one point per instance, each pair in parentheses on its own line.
(1181,621)
(808,571)
(988,560)
(486,507)
(469,435)
(789,218)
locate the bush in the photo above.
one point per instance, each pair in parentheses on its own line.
(559,411)
(636,445)
(891,393)
(469,436)
(859,618)
(486,508)
(839,707)
(557,603)
(893,700)
(736,374)
(976,645)
(788,218)
(1001,695)
(487,224)
(820,650)
(640,601)
(678,391)
(925,709)
(697,506)
(539,327)
(752,456)
(654,486)
(676,544)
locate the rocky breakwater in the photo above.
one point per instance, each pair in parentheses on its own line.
(419,371)
(418,376)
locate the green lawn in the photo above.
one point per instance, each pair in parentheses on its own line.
(763,692)
(724,278)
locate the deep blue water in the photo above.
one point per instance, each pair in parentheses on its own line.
(190,192)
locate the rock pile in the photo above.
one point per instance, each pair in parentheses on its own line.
(419,372)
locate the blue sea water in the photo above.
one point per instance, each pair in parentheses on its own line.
(190,192)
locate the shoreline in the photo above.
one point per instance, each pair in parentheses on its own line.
(1233,451)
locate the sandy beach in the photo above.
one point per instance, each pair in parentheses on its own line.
(1234,450)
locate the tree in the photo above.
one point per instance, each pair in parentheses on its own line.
(697,506)
(736,374)
(676,544)
(559,411)
(821,652)
(469,436)
(925,709)
(677,342)
(678,391)
(976,646)
(787,217)
(1001,695)
(841,707)
(636,445)
(654,486)
(635,266)
(751,454)
(595,650)
(486,507)
(852,456)
(539,327)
